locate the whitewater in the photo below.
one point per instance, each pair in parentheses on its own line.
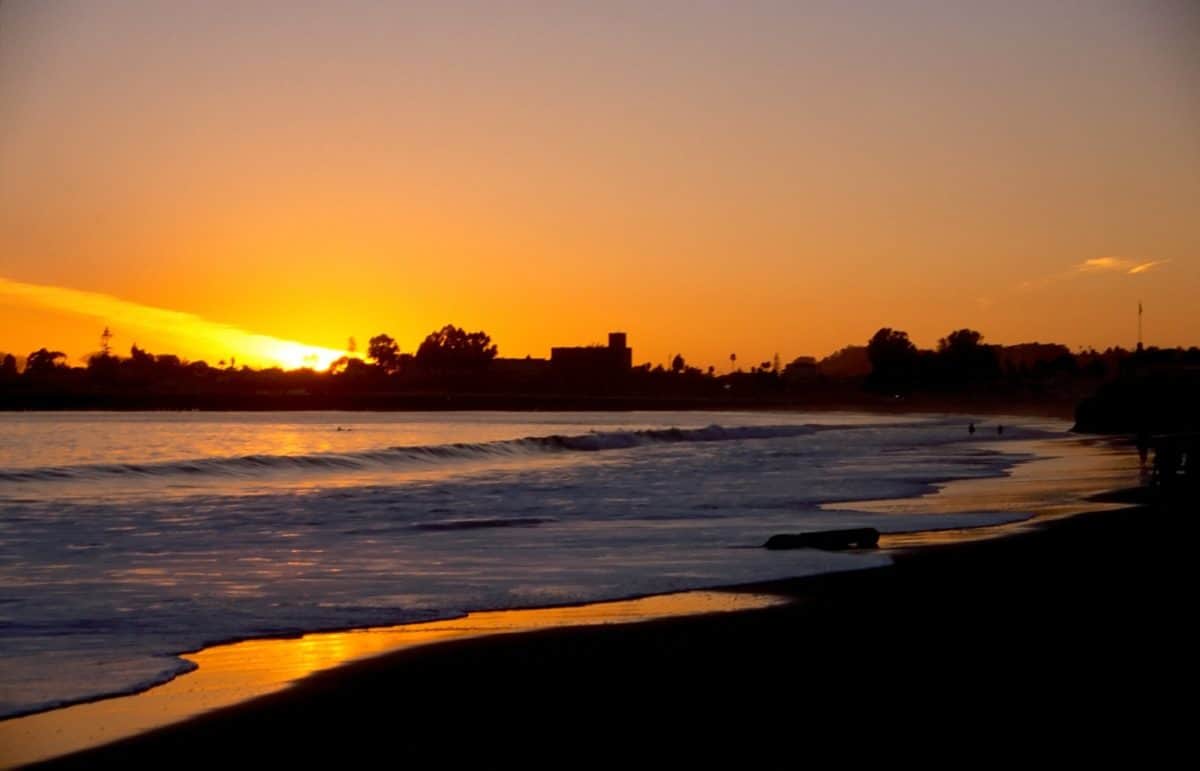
(128,539)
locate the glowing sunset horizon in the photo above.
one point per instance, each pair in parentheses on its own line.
(188,331)
(754,178)
(408,319)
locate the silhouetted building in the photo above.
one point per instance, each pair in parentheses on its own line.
(615,358)
(1027,357)
(526,369)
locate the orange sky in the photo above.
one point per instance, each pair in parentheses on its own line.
(709,177)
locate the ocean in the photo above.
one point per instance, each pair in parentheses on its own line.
(127,539)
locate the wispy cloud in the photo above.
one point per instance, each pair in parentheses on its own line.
(1095,265)
(201,333)
(1145,266)
(1100,264)
(1117,265)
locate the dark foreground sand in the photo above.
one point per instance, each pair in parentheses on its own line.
(1073,641)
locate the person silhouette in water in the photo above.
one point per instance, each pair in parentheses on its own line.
(971,429)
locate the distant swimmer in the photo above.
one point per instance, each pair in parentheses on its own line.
(999,429)
(971,429)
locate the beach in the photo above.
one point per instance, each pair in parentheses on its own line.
(979,622)
(560,384)
(1060,632)
(127,540)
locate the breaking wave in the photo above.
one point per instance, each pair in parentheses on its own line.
(256,465)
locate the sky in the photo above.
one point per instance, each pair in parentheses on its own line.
(265,180)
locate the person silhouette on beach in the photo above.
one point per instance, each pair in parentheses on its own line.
(999,429)
(971,429)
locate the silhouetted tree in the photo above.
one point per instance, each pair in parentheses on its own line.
(43,361)
(384,351)
(800,370)
(963,357)
(140,362)
(851,361)
(1095,368)
(352,369)
(677,363)
(960,340)
(103,366)
(893,357)
(451,348)
(8,367)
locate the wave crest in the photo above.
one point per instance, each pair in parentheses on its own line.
(255,465)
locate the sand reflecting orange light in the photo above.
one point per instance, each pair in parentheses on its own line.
(1059,483)
(229,674)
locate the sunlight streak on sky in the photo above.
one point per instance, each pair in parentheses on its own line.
(755,178)
(186,328)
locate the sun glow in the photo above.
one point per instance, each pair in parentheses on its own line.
(291,355)
(194,332)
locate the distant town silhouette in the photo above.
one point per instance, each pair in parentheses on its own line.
(1115,390)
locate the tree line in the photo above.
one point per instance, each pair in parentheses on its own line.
(454,360)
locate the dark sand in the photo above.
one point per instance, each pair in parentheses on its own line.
(1073,639)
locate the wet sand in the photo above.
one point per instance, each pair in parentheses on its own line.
(236,672)
(1075,632)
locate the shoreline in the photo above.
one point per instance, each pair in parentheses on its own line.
(228,674)
(894,546)
(1068,476)
(953,620)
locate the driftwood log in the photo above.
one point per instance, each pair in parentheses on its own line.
(830,540)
